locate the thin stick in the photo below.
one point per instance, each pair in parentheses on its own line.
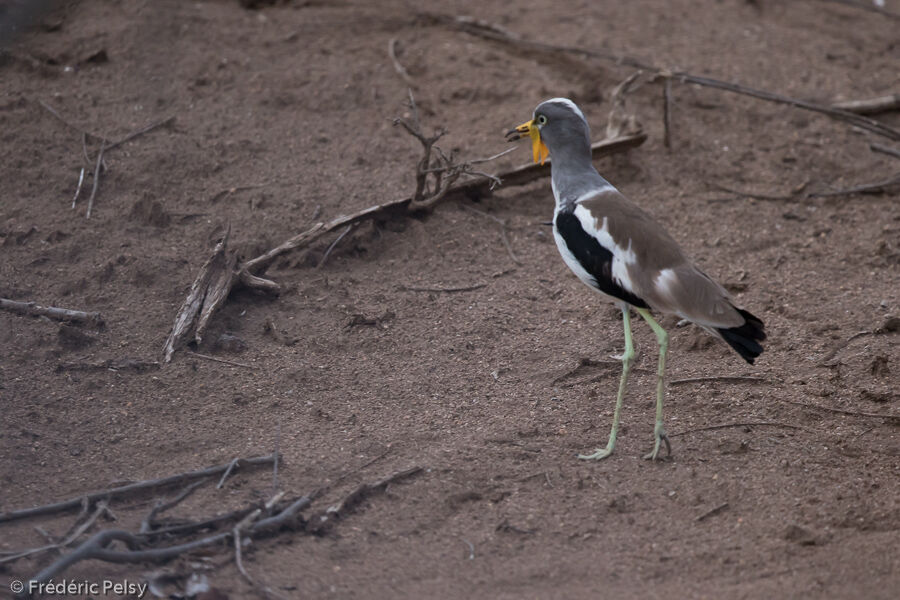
(101,509)
(140,132)
(222,360)
(401,71)
(97,547)
(78,189)
(876,187)
(447,290)
(90,206)
(827,358)
(53,112)
(277,454)
(865,188)
(667,113)
(722,378)
(481,30)
(60,314)
(332,245)
(871,106)
(148,523)
(885,150)
(731,425)
(841,411)
(712,512)
(84,150)
(130,488)
(228,471)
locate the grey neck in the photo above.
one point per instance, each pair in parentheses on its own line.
(573,176)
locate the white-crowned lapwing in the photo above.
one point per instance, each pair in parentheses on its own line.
(622,252)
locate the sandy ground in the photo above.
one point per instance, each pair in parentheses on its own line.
(779,486)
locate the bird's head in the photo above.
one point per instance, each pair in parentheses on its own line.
(556,123)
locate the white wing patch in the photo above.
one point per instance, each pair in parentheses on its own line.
(622,257)
(665,282)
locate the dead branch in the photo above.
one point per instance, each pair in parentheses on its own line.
(870,106)
(123,364)
(620,120)
(190,308)
(732,425)
(841,411)
(877,187)
(78,188)
(436,180)
(332,245)
(667,113)
(123,490)
(139,132)
(722,378)
(60,314)
(227,472)
(90,206)
(498,34)
(401,71)
(446,290)
(712,512)
(319,523)
(885,150)
(76,532)
(149,522)
(224,361)
(105,146)
(98,547)
(827,358)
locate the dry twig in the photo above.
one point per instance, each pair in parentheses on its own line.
(841,411)
(498,34)
(74,534)
(731,425)
(149,522)
(224,361)
(401,71)
(130,488)
(105,146)
(712,512)
(871,106)
(60,314)
(446,290)
(722,378)
(876,187)
(251,526)
(885,150)
(436,180)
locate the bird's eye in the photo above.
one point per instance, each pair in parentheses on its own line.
(541,120)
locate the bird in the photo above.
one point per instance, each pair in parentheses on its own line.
(623,253)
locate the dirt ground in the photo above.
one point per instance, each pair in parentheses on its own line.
(784,485)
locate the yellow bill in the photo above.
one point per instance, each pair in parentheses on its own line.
(539,150)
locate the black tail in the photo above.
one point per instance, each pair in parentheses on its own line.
(746,339)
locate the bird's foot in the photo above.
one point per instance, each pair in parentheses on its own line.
(598,454)
(660,436)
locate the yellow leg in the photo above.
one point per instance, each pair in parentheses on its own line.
(659,432)
(627,359)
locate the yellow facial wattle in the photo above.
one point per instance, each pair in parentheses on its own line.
(539,150)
